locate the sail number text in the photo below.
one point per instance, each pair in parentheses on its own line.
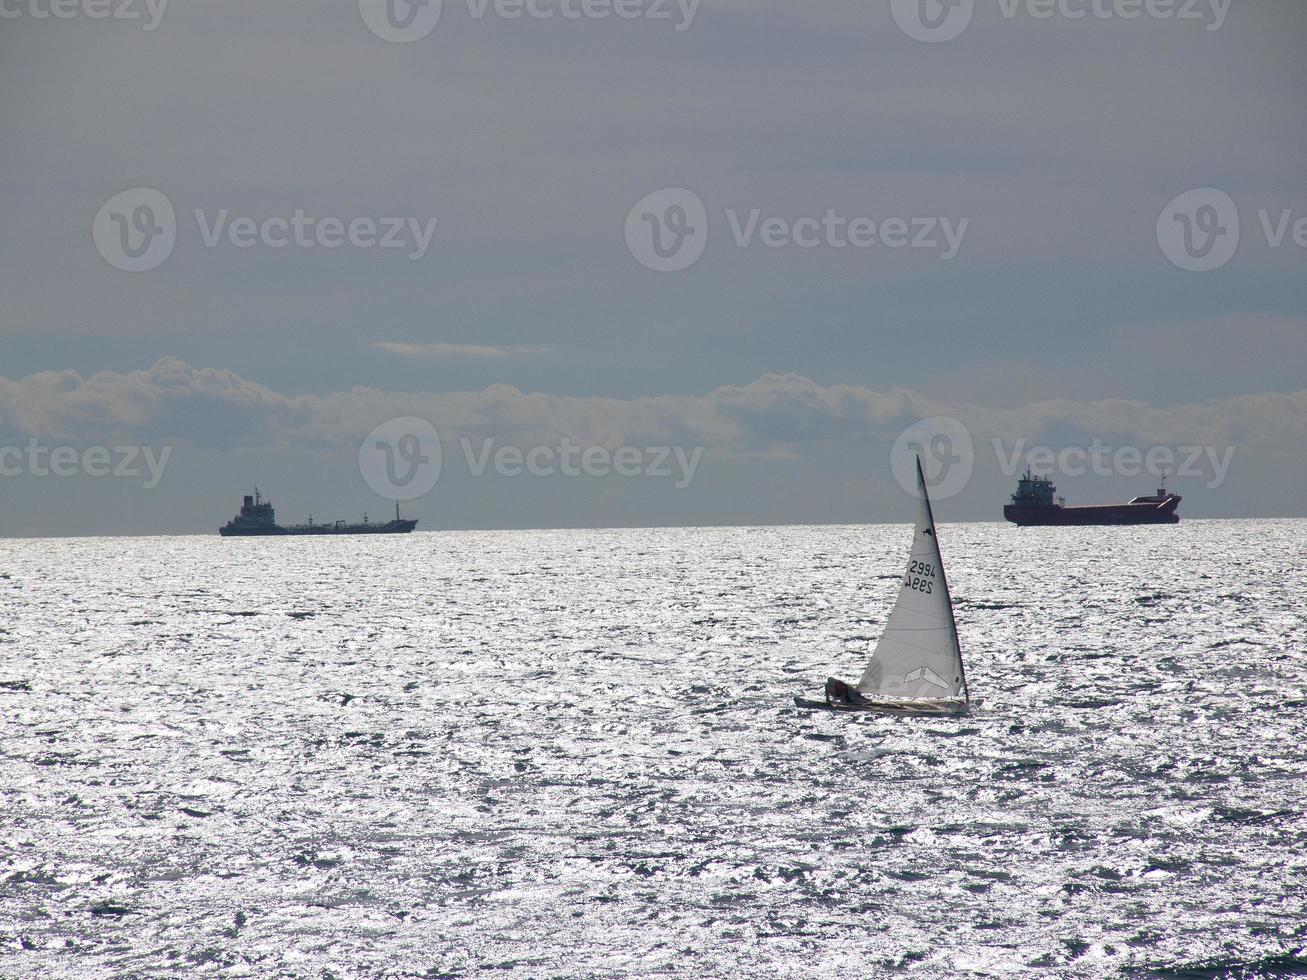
(920,576)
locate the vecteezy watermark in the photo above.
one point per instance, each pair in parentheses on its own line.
(119,462)
(932,21)
(947,456)
(406,21)
(1100,459)
(301,230)
(401,459)
(948,459)
(148,12)
(1200,230)
(136,230)
(400,21)
(667,231)
(936,21)
(570,459)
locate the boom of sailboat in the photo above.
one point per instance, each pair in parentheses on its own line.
(916,668)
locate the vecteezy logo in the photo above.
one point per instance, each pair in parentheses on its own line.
(400,21)
(400,459)
(1199,230)
(947,456)
(668,230)
(932,21)
(136,230)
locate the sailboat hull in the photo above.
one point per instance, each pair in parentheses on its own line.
(844,697)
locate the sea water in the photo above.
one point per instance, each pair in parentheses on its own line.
(576,753)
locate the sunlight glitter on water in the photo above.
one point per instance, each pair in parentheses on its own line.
(576,752)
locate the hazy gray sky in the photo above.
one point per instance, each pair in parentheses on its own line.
(1032,290)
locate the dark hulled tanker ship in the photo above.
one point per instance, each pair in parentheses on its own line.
(1035,504)
(258,519)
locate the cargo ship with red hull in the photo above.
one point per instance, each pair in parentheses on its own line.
(258,519)
(1036,504)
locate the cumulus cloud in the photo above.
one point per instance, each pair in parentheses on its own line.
(778,415)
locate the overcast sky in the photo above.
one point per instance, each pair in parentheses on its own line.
(1039,286)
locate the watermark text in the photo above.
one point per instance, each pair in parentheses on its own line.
(667,231)
(938,21)
(569,459)
(402,459)
(148,12)
(118,462)
(1100,459)
(1200,230)
(406,21)
(136,230)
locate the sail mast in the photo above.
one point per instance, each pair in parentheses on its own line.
(948,596)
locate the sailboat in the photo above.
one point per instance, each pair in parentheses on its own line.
(916,668)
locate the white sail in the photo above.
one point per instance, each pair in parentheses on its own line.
(918,656)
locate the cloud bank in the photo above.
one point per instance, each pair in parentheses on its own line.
(778,415)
